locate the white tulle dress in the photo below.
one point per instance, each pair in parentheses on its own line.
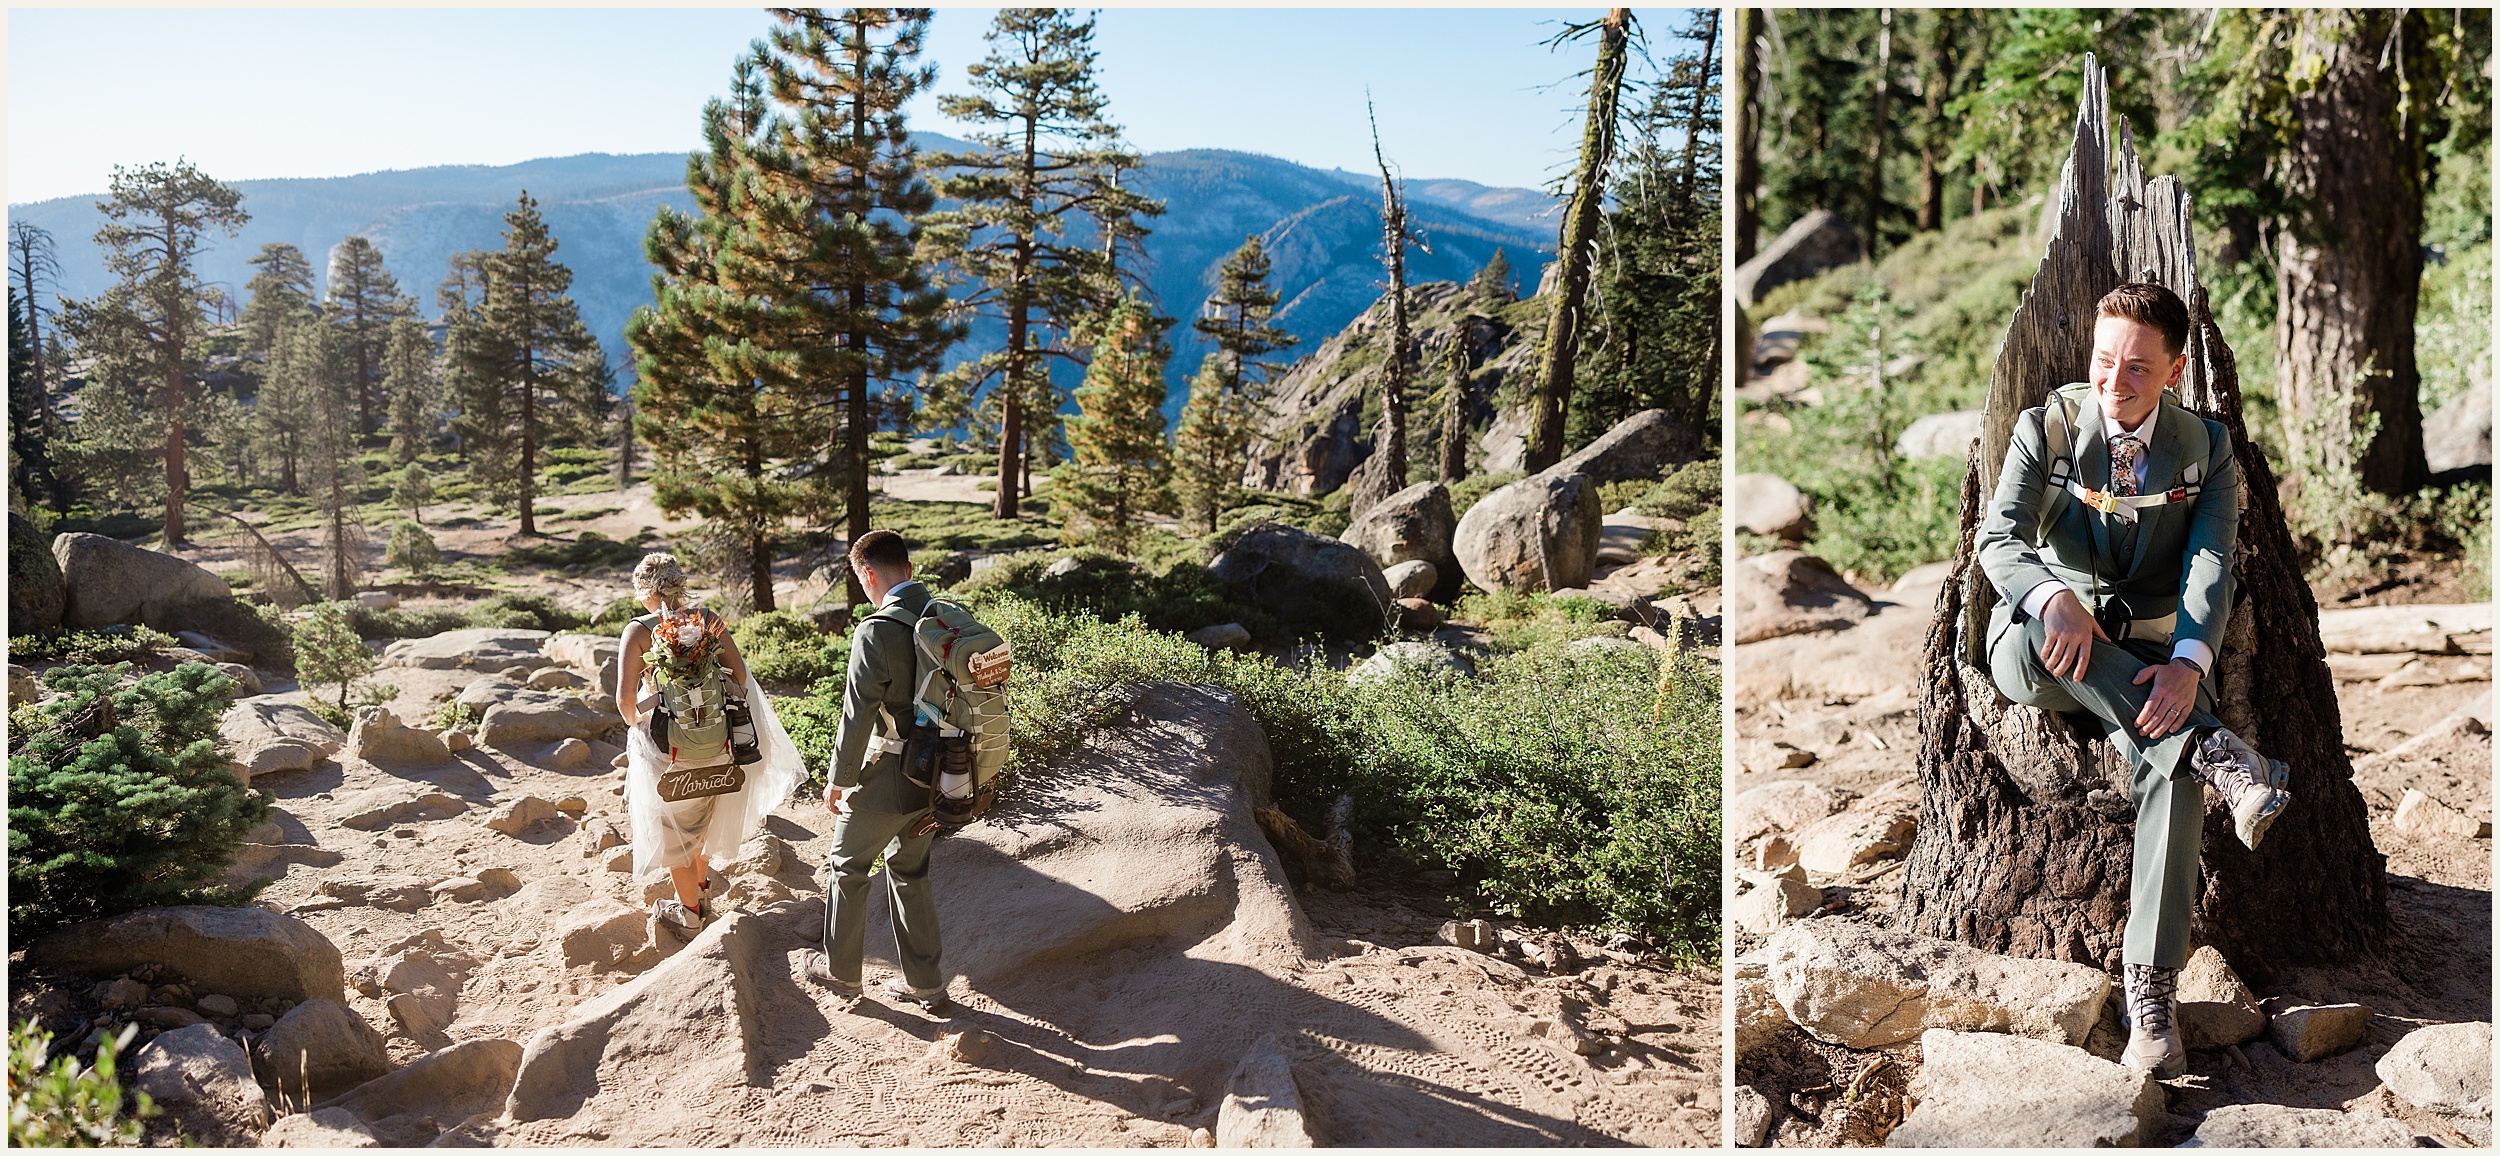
(730,819)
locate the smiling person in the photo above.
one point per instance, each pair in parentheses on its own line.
(2110,538)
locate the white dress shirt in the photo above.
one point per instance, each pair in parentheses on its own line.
(2036,601)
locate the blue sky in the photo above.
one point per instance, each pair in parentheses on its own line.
(1466,93)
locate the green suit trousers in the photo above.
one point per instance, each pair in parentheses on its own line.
(2169,799)
(879,812)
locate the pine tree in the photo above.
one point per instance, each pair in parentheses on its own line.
(364,302)
(1491,288)
(523,367)
(1236,319)
(1208,446)
(122,797)
(1117,469)
(315,369)
(34,424)
(1046,155)
(327,650)
(411,488)
(1456,396)
(409,381)
(150,323)
(282,289)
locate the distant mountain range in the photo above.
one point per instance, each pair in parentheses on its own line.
(1321,228)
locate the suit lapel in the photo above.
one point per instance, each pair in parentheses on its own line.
(2162,469)
(2092,469)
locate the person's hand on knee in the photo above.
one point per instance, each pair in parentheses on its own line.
(2174,695)
(2071,630)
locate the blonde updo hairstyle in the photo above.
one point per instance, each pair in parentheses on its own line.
(660,574)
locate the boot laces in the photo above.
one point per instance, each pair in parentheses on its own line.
(2228,767)
(2149,993)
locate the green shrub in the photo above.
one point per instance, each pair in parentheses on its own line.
(455,715)
(1469,490)
(591,550)
(785,649)
(524,610)
(412,549)
(123,797)
(1180,597)
(614,615)
(89,647)
(62,1105)
(328,651)
(371,624)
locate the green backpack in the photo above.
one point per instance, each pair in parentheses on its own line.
(693,722)
(958,743)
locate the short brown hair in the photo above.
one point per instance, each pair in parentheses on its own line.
(2148,303)
(882,549)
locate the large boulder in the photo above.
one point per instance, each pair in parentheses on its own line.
(2445,1069)
(1790,592)
(1306,580)
(530,716)
(320,1128)
(1866,987)
(443,1087)
(1986,1090)
(379,737)
(244,952)
(320,1048)
(265,737)
(2457,435)
(108,581)
(1818,241)
(2279,1126)
(1505,443)
(1643,446)
(1135,858)
(1538,533)
(36,594)
(204,1081)
(482,648)
(1411,660)
(1767,504)
(594,655)
(1414,524)
(1940,435)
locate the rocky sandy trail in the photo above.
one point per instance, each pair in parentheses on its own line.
(1134,966)
(1824,806)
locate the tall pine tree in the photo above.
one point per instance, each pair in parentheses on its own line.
(364,300)
(150,325)
(1048,160)
(1117,470)
(524,369)
(1218,428)
(409,383)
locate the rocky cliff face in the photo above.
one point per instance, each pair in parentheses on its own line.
(1323,413)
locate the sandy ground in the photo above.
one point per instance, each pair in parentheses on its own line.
(1859,728)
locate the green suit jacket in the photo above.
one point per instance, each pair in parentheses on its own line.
(2182,558)
(882,666)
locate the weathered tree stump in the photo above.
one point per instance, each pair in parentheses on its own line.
(2026,829)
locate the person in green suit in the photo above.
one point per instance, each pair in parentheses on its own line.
(876,806)
(2109,538)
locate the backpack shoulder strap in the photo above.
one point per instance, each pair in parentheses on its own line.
(2057,429)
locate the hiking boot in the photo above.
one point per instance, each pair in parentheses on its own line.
(821,974)
(2249,783)
(680,920)
(2153,1043)
(897,987)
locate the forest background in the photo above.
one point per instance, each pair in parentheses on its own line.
(2349,264)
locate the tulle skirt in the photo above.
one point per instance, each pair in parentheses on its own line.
(665,832)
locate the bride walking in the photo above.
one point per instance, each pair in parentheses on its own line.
(705,757)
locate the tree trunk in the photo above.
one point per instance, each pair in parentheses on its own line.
(1385,473)
(176,476)
(1746,109)
(1454,415)
(2025,832)
(625,445)
(2351,273)
(529,443)
(1875,170)
(1579,240)
(1939,74)
(1019,321)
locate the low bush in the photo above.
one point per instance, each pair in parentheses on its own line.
(523,610)
(412,549)
(60,1104)
(1469,490)
(123,797)
(591,550)
(371,624)
(1180,597)
(784,649)
(90,647)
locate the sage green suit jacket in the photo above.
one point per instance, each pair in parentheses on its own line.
(2182,551)
(882,666)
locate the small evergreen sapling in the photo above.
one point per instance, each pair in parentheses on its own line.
(412,549)
(123,796)
(328,651)
(412,488)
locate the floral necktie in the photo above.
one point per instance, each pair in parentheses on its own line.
(2124,451)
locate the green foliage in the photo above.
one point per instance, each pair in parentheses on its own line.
(63,1105)
(1118,469)
(371,624)
(123,797)
(784,649)
(257,629)
(455,715)
(1180,597)
(588,550)
(412,549)
(411,489)
(89,647)
(328,651)
(523,610)
(1467,491)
